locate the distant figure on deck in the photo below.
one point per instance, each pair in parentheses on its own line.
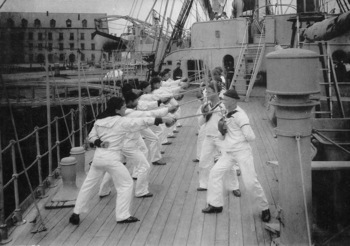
(177,74)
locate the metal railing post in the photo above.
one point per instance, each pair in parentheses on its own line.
(73,134)
(17,215)
(41,188)
(58,141)
(4,238)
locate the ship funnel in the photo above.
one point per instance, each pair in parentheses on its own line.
(292,77)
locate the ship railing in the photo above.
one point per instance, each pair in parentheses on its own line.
(14,194)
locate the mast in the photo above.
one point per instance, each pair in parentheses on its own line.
(177,31)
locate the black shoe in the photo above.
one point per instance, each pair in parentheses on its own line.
(102,196)
(145,195)
(237,193)
(74,219)
(201,189)
(162,152)
(158,163)
(131,219)
(167,143)
(195,160)
(171,136)
(211,209)
(265,215)
(175,131)
(134,178)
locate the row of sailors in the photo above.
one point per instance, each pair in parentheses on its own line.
(118,133)
(225,132)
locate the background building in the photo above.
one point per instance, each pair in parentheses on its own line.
(24,37)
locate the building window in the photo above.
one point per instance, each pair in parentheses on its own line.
(10,23)
(99,24)
(71,46)
(92,57)
(71,36)
(40,36)
(69,23)
(24,23)
(82,46)
(37,23)
(61,57)
(13,37)
(50,56)
(84,23)
(92,46)
(92,36)
(30,45)
(40,46)
(82,57)
(30,36)
(50,35)
(21,36)
(50,47)
(31,57)
(60,46)
(82,36)
(60,36)
(52,23)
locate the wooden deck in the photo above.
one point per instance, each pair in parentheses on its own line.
(173,216)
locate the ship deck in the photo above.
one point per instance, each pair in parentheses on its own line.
(173,215)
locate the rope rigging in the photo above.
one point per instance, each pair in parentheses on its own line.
(42,224)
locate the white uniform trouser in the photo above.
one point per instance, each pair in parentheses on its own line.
(210,148)
(200,139)
(160,132)
(244,158)
(107,163)
(170,130)
(135,156)
(143,148)
(178,115)
(153,144)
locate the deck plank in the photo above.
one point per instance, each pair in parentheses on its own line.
(179,200)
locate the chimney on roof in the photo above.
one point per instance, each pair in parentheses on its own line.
(78,16)
(47,13)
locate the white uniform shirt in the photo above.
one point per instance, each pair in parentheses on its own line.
(239,131)
(115,129)
(171,83)
(211,126)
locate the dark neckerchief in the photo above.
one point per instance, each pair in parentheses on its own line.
(229,114)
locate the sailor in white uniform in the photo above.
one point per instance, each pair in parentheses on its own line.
(237,134)
(212,144)
(111,128)
(133,148)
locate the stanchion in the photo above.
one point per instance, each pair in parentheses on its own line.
(79,154)
(68,193)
